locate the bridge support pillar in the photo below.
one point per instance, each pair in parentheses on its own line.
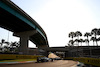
(24,37)
(23,48)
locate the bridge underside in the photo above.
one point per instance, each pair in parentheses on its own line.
(22,25)
(14,24)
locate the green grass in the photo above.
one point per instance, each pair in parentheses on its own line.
(19,60)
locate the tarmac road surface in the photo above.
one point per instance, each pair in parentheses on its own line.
(56,63)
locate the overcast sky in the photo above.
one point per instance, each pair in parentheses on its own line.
(59,17)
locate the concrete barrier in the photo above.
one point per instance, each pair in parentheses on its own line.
(13,56)
(86,60)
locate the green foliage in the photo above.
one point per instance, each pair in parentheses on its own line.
(7,47)
(93,34)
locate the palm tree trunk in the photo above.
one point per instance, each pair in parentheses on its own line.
(72,43)
(88,44)
(96,43)
(96,40)
(78,41)
(81,43)
(93,43)
(88,40)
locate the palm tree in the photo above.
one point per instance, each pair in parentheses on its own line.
(98,39)
(71,42)
(72,35)
(2,41)
(6,49)
(99,31)
(93,39)
(81,40)
(14,46)
(95,32)
(87,41)
(77,41)
(7,43)
(87,34)
(78,34)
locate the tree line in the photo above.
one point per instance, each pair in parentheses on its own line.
(9,47)
(94,36)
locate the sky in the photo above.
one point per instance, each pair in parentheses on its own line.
(60,17)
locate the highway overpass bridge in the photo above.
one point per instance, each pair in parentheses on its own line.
(22,25)
(54,49)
